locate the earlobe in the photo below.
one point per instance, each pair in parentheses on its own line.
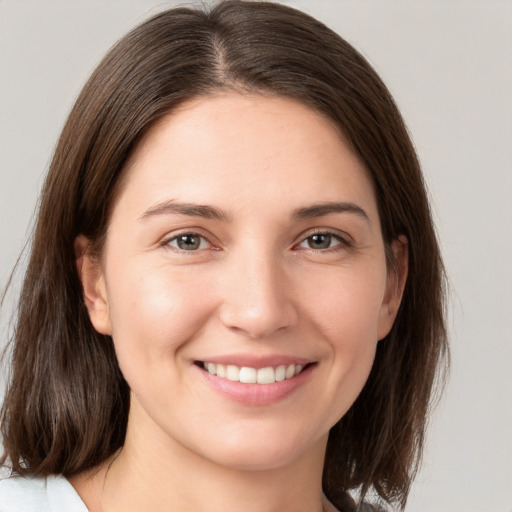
(397,277)
(93,286)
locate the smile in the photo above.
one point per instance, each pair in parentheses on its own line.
(248,375)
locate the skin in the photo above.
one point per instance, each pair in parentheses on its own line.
(257,285)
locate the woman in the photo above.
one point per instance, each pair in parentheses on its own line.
(235,293)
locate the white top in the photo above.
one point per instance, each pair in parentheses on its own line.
(55,494)
(39,494)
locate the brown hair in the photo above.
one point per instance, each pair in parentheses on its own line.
(67,404)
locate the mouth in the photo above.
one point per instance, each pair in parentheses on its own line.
(249,375)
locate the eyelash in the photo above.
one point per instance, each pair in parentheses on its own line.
(343,242)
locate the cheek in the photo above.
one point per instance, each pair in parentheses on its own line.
(347,305)
(153,314)
(346,314)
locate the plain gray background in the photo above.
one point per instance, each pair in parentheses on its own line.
(449,65)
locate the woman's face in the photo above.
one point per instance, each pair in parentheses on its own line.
(246,243)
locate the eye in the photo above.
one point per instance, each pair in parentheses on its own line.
(189,242)
(322,241)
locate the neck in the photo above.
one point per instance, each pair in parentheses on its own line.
(153,472)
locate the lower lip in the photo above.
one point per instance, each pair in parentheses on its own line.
(256,394)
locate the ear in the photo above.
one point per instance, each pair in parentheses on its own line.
(397,277)
(93,286)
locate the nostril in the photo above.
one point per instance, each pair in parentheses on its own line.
(258,324)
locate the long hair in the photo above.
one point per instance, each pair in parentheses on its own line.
(66,407)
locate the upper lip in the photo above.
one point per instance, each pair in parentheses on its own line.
(252,361)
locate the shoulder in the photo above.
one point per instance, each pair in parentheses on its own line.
(39,494)
(23,493)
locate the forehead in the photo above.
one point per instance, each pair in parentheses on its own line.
(243,149)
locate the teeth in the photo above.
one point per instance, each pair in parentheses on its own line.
(266,376)
(290,371)
(280,373)
(221,370)
(248,375)
(232,372)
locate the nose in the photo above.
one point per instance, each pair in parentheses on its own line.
(258,298)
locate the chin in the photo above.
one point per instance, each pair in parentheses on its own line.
(264,452)
(254,460)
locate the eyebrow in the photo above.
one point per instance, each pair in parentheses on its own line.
(171,207)
(318,210)
(190,209)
